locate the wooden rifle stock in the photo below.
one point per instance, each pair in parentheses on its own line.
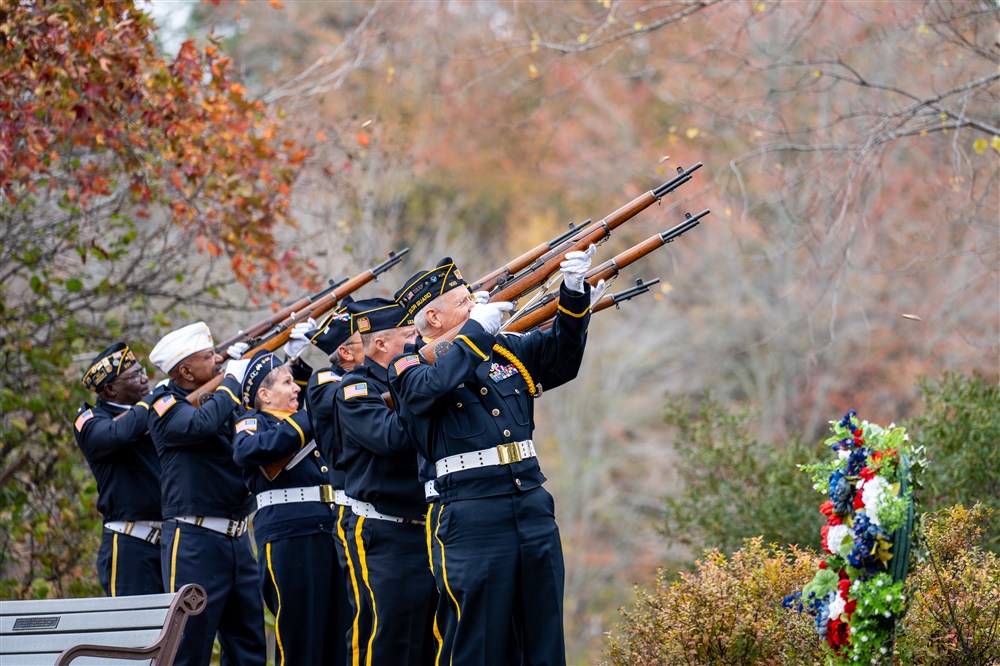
(546,308)
(267,324)
(547,264)
(278,335)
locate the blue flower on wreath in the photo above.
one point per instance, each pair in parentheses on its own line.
(865,534)
(857,461)
(846,421)
(841,492)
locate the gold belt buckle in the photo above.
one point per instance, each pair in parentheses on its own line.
(326,493)
(509,453)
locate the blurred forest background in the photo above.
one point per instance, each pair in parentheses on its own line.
(221,158)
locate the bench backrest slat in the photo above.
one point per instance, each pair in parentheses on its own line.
(36,632)
(44,606)
(59,622)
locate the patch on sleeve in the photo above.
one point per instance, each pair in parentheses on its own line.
(327,376)
(83,418)
(406,362)
(247,424)
(163,404)
(355,391)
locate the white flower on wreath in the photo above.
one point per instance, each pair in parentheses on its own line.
(835,537)
(874,494)
(836,606)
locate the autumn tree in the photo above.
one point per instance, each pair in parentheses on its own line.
(136,191)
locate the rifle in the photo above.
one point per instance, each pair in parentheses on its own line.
(545,308)
(542,267)
(260,327)
(504,273)
(278,334)
(606,301)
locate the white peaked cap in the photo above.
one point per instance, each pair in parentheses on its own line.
(177,345)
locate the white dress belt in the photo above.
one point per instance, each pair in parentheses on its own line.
(340,498)
(147,530)
(231,528)
(322,493)
(504,454)
(430,490)
(369,511)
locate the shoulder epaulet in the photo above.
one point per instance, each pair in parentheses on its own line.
(404,362)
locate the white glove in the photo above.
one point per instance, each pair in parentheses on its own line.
(237,369)
(490,315)
(575,266)
(481,297)
(237,349)
(596,292)
(297,339)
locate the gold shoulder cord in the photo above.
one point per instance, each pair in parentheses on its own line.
(516,362)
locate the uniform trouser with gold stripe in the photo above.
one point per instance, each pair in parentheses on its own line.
(395,591)
(501,558)
(127,566)
(300,588)
(226,568)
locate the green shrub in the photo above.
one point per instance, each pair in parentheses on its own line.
(960,428)
(734,486)
(954,616)
(728,611)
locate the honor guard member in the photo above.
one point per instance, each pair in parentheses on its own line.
(205,503)
(295,518)
(114,438)
(334,337)
(471,412)
(388,505)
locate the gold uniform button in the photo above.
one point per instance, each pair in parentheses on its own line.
(495,412)
(324,469)
(458,405)
(517,482)
(484,390)
(316,453)
(506,433)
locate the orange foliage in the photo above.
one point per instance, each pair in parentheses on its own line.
(90,106)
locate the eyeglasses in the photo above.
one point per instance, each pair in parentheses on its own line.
(135,377)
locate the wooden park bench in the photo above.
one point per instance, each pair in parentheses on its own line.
(97,630)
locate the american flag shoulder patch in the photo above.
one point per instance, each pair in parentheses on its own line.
(83,418)
(327,376)
(247,424)
(355,391)
(163,404)
(406,362)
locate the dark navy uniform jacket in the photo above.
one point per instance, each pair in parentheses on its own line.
(199,477)
(474,397)
(262,438)
(379,455)
(123,459)
(321,401)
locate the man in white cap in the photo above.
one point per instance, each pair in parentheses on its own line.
(205,502)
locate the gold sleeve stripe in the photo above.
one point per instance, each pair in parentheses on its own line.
(573,314)
(471,346)
(238,401)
